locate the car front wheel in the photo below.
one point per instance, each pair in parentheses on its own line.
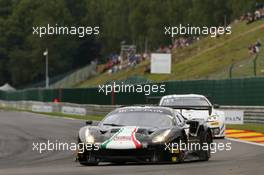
(205,139)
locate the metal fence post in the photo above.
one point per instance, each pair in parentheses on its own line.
(231,70)
(255,64)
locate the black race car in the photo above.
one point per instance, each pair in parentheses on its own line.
(144,134)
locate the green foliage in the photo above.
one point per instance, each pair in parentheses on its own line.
(132,21)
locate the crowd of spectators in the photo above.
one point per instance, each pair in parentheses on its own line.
(178,43)
(116,63)
(112,61)
(164,49)
(184,42)
(258,14)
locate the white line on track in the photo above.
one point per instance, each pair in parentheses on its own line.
(243,141)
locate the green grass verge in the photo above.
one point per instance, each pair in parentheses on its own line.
(248,126)
(208,58)
(57,114)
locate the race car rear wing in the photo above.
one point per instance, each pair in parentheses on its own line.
(209,108)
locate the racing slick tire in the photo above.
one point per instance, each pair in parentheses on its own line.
(205,138)
(86,159)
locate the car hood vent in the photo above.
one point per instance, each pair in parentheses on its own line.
(144,131)
(114,130)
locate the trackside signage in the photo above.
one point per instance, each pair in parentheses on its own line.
(73,110)
(160,63)
(234,116)
(42,108)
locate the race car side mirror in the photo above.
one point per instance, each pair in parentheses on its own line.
(216,106)
(89,122)
(210,110)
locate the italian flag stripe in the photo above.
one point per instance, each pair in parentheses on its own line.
(135,141)
(104,144)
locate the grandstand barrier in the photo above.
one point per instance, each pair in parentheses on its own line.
(241,92)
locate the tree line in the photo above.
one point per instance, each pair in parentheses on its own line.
(120,21)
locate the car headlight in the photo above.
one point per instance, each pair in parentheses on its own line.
(212,118)
(161,137)
(88,137)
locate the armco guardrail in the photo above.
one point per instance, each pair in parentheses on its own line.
(66,108)
(252,114)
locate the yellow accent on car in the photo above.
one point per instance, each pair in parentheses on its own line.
(174,151)
(214,123)
(174,159)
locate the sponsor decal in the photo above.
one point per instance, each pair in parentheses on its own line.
(234,116)
(73,110)
(41,108)
(124,139)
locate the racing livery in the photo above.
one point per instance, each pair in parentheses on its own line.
(193,106)
(143,134)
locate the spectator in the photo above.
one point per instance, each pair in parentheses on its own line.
(147,69)
(254,48)
(256,15)
(257,46)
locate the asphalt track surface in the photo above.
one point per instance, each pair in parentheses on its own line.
(18,130)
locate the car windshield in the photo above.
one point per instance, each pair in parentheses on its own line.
(147,119)
(183,101)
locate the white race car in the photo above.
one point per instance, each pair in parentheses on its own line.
(193,106)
